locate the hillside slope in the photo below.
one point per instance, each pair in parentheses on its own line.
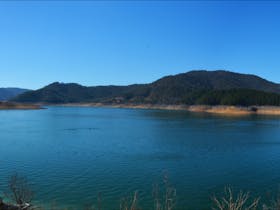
(194,87)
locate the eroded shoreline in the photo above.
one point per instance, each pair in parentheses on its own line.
(18,106)
(219,109)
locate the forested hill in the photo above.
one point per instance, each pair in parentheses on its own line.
(8,93)
(194,87)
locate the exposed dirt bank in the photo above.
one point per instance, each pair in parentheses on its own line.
(225,110)
(10,106)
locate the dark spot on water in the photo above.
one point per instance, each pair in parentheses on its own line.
(78,129)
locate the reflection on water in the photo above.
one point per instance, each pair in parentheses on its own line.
(71,154)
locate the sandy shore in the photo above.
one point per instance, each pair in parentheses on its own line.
(237,110)
(223,110)
(11,106)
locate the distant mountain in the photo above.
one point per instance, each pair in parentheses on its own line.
(194,87)
(8,93)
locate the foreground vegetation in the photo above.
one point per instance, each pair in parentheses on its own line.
(20,197)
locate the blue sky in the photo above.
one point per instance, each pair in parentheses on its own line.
(101,43)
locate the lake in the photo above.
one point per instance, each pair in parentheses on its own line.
(72,154)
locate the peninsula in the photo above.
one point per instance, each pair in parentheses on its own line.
(12,105)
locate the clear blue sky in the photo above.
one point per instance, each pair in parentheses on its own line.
(100,43)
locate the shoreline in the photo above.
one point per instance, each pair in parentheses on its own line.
(217,109)
(210,109)
(18,106)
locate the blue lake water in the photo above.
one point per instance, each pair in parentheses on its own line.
(70,154)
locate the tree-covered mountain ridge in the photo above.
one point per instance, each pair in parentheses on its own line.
(195,87)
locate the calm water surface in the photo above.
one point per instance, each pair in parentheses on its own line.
(70,154)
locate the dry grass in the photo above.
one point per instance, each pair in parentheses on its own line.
(230,202)
(128,203)
(273,205)
(164,198)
